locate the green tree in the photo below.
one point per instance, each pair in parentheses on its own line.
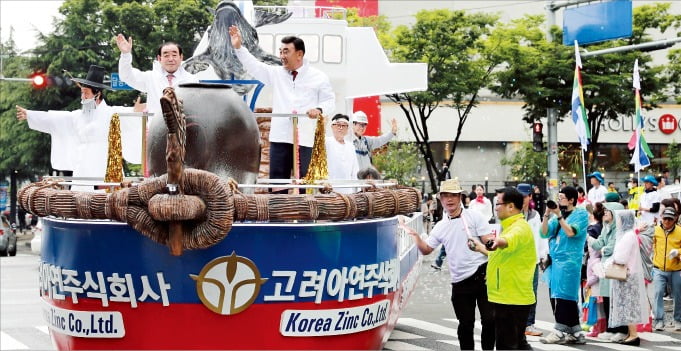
(526,164)
(451,43)
(22,151)
(399,161)
(673,153)
(673,73)
(541,72)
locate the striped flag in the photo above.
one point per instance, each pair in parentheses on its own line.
(579,116)
(642,153)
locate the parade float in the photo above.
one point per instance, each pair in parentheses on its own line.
(192,259)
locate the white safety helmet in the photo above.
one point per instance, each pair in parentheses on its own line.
(360,117)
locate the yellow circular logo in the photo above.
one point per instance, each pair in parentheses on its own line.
(228,285)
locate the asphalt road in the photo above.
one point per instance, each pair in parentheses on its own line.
(427,323)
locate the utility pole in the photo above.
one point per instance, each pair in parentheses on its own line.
(551,117)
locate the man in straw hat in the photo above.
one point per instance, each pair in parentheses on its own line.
(467,268)
(80,137)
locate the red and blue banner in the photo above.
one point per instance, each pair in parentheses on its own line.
(335,285)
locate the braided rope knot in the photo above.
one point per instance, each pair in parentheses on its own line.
(206,210)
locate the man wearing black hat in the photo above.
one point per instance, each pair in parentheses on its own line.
(80,138)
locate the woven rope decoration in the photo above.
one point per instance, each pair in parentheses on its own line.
(203,228)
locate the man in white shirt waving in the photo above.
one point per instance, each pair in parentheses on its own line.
(167,72)
(297,87)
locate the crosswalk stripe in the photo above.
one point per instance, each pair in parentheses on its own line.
(436,328)
(553,347)
(399,346)
(9,343)
(544,325)
(477,346)
(616,346)
(43,328)
(656,337)
(400,335)
(532,340)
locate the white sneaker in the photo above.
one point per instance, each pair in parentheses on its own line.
(605,336)
(555,337)
(677,325)
(618,337)
(659,325)
(576,338)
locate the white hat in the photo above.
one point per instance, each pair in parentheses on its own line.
(450,186)
(360,117)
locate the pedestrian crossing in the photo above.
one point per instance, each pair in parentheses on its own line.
(28,338)
(409,334)
(415,334)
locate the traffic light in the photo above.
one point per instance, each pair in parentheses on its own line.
(39,81)
(537,137)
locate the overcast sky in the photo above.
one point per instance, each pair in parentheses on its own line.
(27,18)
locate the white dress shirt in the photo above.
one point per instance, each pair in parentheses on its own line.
(151,82)
(311,89)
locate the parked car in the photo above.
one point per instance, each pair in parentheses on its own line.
(37,240)
(8,237)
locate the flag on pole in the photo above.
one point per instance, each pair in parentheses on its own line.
(579,116)
(642,153)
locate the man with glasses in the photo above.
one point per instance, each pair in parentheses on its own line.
(510,270)
(364,145)
(340,153)
(666,267)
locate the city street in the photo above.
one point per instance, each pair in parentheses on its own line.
(427,323)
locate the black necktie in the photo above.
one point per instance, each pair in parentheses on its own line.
(294,74)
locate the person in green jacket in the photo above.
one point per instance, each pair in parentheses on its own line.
(510,270)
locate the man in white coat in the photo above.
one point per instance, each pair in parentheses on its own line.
(80,138)
(167,72)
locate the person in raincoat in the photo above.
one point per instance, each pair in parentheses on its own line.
(628,302)
(606,244)
(565,227)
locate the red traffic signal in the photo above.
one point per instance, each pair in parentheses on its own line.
(537,137)
(39,81)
